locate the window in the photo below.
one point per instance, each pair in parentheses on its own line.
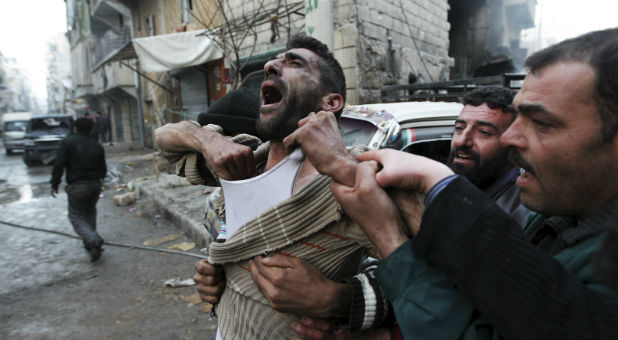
(186,10)
(150,25)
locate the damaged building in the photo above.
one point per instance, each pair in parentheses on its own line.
(150,62)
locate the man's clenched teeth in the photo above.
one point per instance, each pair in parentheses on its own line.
(462,155)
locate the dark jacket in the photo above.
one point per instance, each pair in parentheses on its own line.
(473,273)
(82,156)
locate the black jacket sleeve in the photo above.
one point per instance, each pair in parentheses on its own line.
(102,165)
(59,164)
(522,291)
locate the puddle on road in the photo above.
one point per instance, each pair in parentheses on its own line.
(22,193)
(25,193)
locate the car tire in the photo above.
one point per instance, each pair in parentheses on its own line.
(9,151)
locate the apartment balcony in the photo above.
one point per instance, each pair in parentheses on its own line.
(113,75)
(108,11)
(81,69)
(110,42)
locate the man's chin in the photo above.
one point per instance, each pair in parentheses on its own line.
(273,133)
(459,168)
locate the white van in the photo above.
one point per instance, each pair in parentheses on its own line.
(13,130)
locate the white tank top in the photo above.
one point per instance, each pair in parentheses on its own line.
(248,198)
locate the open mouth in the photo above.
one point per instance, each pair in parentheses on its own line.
(271,95)
(526,173)
(463,155)
(466,155)
(517,160)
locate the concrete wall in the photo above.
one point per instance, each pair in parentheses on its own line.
(418,32)
(418,48)
(264,31)
(168,19)
(361,32)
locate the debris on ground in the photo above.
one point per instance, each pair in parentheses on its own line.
(193,298)
(177,282)
(161,240)
(184,246)
(207,308)
(124,199)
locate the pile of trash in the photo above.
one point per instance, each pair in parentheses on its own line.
(124,193)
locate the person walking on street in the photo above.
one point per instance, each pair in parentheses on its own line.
(106,130)
(84,160)
(96,124)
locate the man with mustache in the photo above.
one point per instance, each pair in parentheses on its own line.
(476,151)
(477,154)
(304,79)
(470,271)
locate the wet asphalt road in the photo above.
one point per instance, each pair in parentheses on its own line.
(49,289)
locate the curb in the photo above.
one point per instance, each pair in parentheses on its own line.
(179,202)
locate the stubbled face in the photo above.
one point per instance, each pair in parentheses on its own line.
(556,139)
(290,91)
(476,151)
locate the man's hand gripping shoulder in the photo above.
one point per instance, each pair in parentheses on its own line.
(226,159)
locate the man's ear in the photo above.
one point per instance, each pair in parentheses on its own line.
(332,102)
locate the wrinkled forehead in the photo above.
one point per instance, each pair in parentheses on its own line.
(300,54)
(558,88)
(484,113)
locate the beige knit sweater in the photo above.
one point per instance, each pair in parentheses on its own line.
(308,225)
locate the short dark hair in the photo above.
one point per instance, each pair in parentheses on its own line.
(599,49)
(83,125)
(331,73)
(496,98)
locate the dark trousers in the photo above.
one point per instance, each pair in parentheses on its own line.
(83,197)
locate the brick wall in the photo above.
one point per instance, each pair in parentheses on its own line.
(418,43)
(361,31)
(419,39)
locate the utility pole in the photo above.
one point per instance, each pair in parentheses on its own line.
(140,108)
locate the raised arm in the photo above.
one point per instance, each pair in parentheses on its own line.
(227,160)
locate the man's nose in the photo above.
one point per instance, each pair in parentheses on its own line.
(513,135)
(463,139)
(272,67)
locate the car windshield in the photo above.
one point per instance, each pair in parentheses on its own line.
(356,132)
(50,123)
(16,125)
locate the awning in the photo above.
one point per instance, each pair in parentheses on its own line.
(161,53)
(166,52)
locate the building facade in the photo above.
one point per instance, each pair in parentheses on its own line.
(15,90)
(58,78)
(96,28)
(186,54)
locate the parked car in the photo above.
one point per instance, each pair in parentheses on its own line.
(42,137)
(13,130)
(423,128)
